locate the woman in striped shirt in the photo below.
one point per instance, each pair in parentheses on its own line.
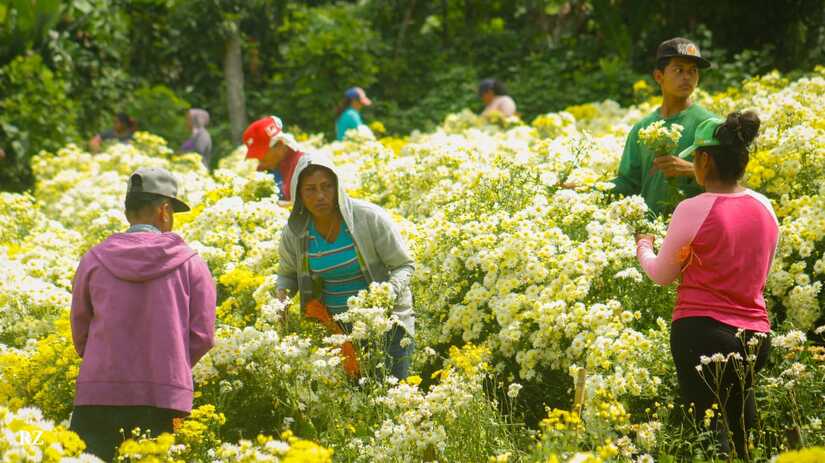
(334,246)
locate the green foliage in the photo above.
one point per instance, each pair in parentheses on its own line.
(552,81)
(90,46)
(327,50)
(35,114)
(158,110)
(453,88)
(418,60)
(25,24)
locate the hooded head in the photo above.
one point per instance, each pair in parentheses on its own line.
(198,118)
(310,164)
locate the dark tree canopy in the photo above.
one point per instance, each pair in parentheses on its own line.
(418,60)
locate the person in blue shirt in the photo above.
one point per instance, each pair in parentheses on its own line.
(347,116)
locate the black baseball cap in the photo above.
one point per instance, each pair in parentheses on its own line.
(681,48)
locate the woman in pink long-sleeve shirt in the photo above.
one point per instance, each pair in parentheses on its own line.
(721,243)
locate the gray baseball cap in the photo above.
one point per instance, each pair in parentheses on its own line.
(156,181)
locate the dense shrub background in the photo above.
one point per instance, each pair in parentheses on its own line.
(418,60)
(35,114)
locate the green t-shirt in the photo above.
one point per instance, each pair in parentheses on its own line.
(636,173)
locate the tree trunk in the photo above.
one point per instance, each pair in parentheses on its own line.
(233,76)
(444,32)
(399,42)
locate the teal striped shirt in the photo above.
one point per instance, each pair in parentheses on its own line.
(337,265)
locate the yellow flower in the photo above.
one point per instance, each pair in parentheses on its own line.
(470,359)
(809,455)
(45,377)
(377,127)
(414,380)
(562,420)
(583,112)
(303,451)
(608,450)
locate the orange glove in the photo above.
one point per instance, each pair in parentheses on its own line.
(317,310)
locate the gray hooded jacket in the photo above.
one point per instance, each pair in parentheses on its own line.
(376,237)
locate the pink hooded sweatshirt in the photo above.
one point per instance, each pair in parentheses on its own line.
(143,314)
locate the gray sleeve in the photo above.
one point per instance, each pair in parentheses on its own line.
(203,145)
(393,252)
(287,265)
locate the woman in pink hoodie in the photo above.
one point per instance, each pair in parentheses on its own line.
(720,244)
(143,313)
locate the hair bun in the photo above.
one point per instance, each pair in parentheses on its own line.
(739,129)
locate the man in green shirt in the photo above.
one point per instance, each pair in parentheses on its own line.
(642,172)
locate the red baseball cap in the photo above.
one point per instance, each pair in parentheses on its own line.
(357,93)
(258,136)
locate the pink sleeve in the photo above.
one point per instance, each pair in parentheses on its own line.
(201,310)
(767,204)
(82,310)
(686,221)
(507,106)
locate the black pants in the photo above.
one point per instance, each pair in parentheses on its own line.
(99,425)
(693,337)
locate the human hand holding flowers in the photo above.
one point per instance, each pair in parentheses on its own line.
(660,139)
(645,237)
(673,166)
(663,141)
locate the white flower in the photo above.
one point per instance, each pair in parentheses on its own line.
(513,390)
(661,139)
(791,340)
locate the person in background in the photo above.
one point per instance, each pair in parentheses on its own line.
(277,152)
(333,246)
(720,244)
(200,142)
(142,315)
(123,128)
(644,173)
(494,96)
(347,115)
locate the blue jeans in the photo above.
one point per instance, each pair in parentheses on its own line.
(399,358)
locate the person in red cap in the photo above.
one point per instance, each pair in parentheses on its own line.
(347,116)
(276,151)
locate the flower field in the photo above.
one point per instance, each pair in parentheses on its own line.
(538,338)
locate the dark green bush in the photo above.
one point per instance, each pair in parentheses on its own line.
(328,49)
(35,115)
(453,88)
(555,80)
(158,110)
